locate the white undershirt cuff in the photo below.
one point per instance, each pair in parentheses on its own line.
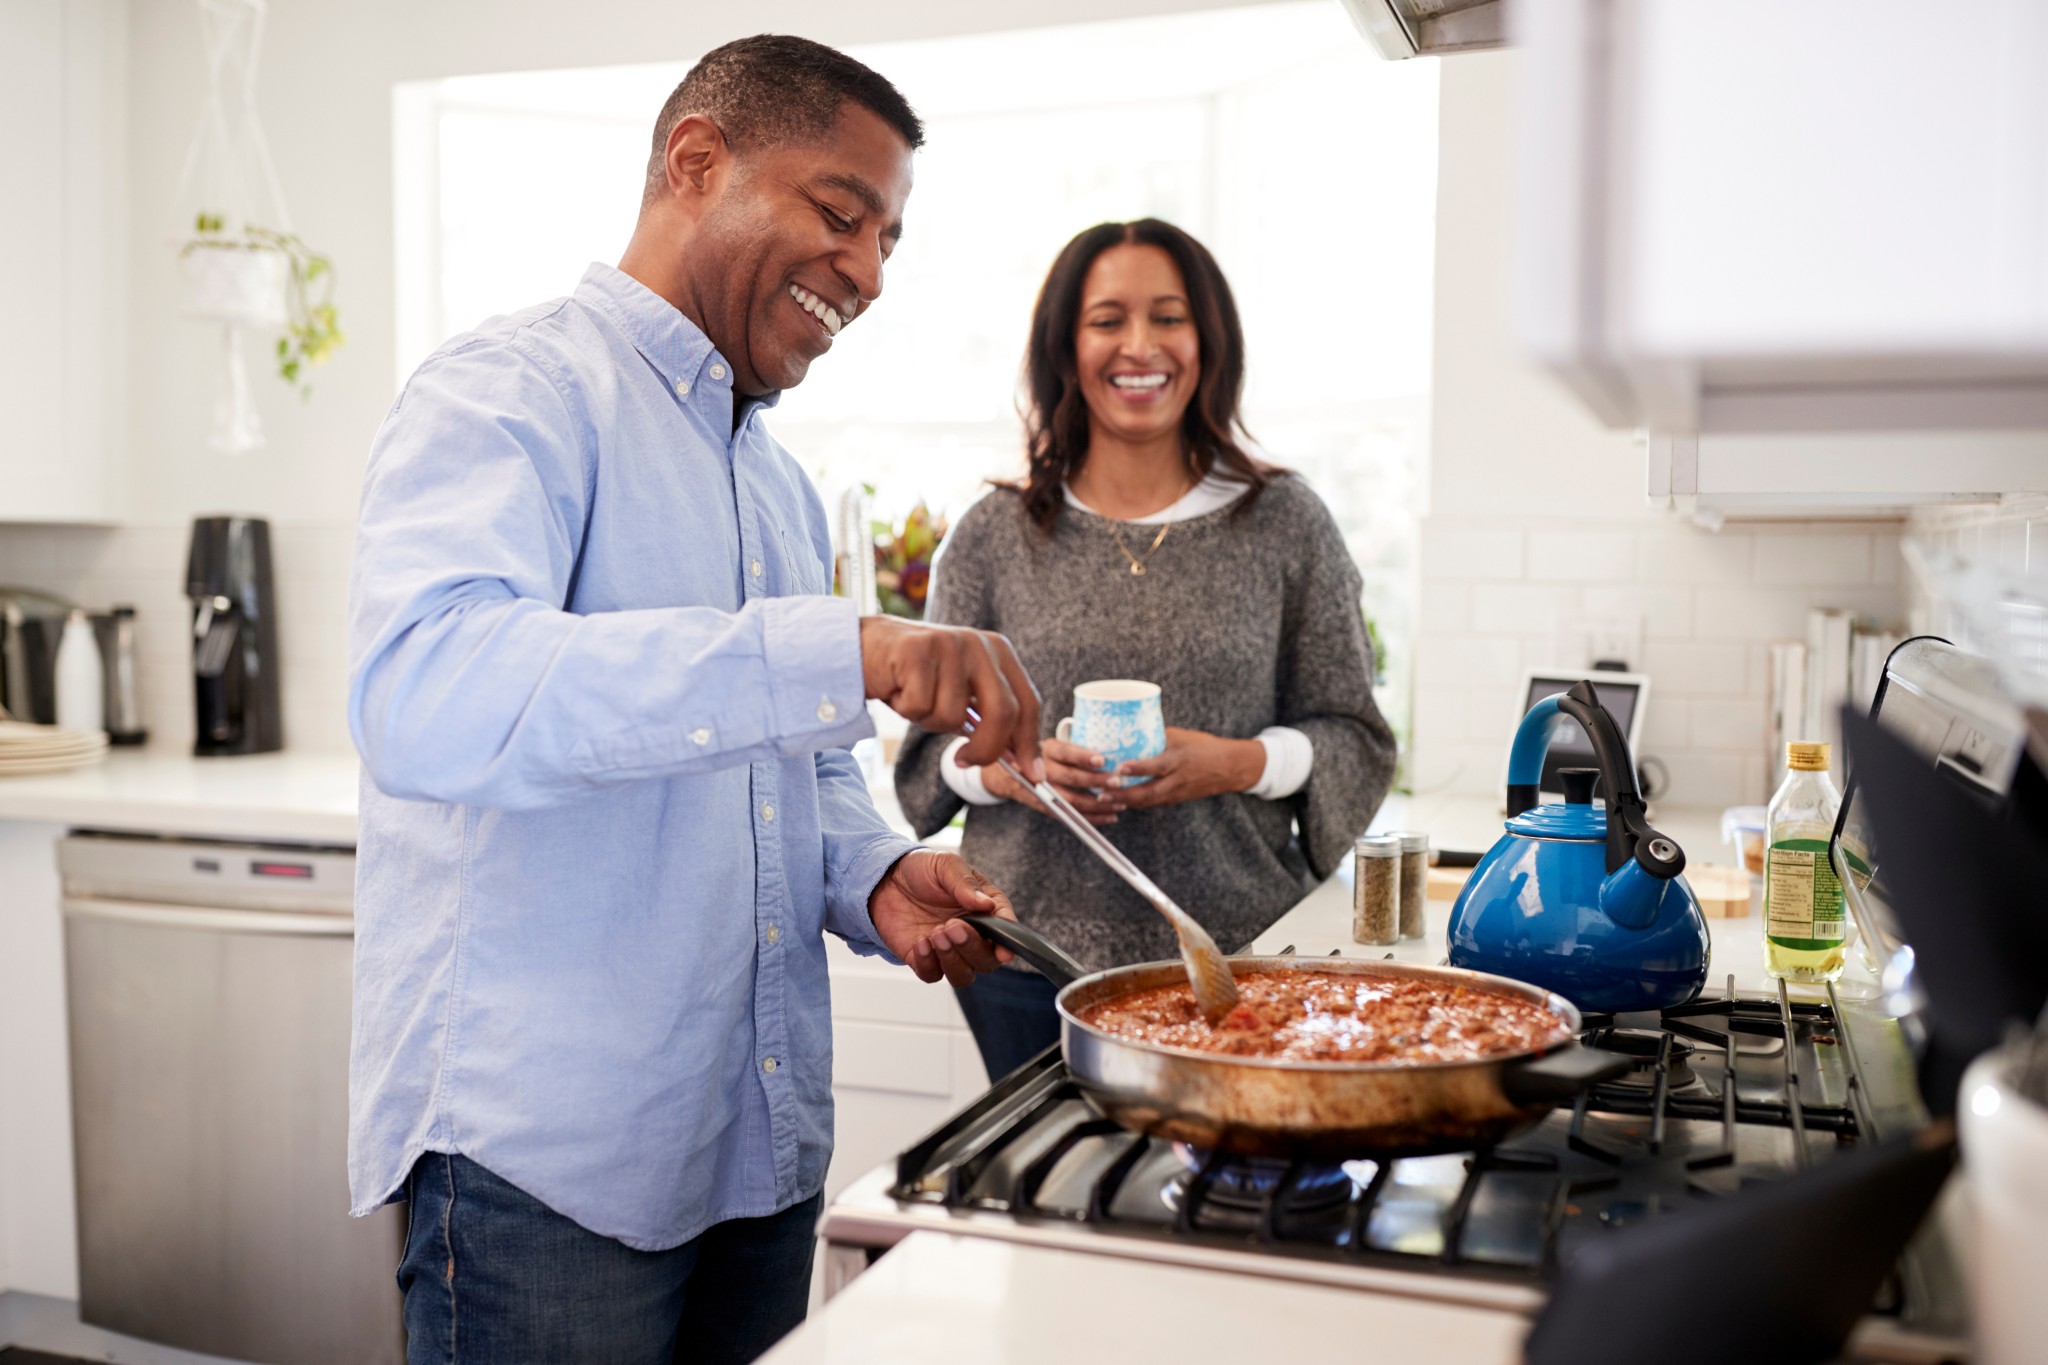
(1289,757)
(966,783)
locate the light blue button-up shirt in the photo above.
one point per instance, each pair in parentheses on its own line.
(602,699)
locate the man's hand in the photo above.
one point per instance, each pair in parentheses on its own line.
(916,908)
(933,675)
(1195,764)
(1076,771)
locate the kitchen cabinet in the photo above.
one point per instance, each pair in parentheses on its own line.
(62,246)
(1750,217)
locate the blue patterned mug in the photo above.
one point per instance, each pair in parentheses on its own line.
(1119,718)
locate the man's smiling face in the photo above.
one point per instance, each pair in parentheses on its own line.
(793,250)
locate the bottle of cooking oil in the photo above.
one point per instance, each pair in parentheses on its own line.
(1803,924)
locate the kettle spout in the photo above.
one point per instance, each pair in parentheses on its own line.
(1631,896)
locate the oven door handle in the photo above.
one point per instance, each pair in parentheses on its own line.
(212,919)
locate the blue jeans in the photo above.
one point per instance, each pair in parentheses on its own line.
(493,1276)
(1011,1016)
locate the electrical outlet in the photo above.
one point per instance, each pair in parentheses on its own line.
(1586,640)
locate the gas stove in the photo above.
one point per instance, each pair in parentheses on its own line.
(1728,1089)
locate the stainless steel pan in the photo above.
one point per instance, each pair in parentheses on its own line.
(1258,1106)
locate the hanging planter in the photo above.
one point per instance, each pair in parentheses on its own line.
(256,275)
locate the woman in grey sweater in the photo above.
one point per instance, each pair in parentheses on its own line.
(1146,542)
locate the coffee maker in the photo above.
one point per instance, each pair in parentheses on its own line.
(234,637)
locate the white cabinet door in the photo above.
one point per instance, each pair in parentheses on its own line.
(1750,216)
(61,244)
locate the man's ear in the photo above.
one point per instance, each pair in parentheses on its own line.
(697,158)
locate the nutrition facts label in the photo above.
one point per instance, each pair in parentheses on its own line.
(1802,895)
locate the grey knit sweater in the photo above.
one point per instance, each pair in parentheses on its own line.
(1245,619)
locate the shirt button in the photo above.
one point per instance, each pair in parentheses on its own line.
(683,388)
(827,712)
(767,811)
(756,568)
(718,372)
(772,934)
(701,735)
(768,1064)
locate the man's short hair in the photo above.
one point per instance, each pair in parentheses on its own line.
(772,89)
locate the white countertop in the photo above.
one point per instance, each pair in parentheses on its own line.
(301,797)
(951,1300)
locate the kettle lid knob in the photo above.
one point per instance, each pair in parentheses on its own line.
(1578,784)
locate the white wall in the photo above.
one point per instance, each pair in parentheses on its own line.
(1537,518)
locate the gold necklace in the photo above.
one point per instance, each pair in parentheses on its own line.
(1137,564)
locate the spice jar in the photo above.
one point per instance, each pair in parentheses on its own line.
(1376,889)
(1414,881)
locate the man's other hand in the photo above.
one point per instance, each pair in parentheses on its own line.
(916,909)
(934,675)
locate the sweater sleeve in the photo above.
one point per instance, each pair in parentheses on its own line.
(1326,671)
(960,595)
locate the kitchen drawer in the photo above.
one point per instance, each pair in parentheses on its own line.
(891,995)
(869,1056)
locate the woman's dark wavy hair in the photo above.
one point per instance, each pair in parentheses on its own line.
(1056,419)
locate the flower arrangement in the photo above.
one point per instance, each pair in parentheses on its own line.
(903,561)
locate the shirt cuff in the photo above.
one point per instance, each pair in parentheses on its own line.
(811,649)
(1289,757)
(965,783)
(853,886)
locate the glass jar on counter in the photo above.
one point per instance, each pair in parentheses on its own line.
(1414,882)
(1376,889)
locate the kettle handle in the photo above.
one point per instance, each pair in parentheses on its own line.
(1629,835)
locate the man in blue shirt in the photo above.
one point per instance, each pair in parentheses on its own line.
(603,699)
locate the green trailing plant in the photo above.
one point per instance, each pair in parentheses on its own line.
(312,327)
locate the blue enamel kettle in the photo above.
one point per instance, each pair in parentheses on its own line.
(1585,901)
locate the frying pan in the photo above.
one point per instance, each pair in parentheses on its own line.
(1271,1107)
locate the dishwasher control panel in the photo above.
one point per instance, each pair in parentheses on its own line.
(183,871)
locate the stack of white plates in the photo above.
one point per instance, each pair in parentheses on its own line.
(47,748)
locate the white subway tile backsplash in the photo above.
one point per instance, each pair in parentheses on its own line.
(1703,778)
(1728,724)
(1452,554)
(1750,613)
(1692,669)
(1516,609)
(1667,722)
(1439,715)
(1662,613)
(1467,663)
(1677,553)
(1798,559)
(1581,557)
(1446,609)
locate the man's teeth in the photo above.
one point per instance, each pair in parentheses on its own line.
(1137,381)
(817,308)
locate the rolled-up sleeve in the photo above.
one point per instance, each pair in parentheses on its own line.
(470,683)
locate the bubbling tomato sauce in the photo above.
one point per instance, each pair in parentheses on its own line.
(1311,1016)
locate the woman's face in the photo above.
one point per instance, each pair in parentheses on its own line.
(1136,350)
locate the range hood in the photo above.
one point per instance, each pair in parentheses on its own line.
(1423,28)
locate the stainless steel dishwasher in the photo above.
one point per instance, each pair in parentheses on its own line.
(209,1004)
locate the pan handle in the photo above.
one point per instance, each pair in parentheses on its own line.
(1027,943)
(1560,1074)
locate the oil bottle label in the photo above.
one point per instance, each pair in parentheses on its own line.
(1802,895)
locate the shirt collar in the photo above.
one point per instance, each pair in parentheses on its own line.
(675,346)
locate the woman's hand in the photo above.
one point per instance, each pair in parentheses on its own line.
(1076,772)
(1194,765)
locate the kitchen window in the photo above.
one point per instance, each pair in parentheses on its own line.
(1273,133)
